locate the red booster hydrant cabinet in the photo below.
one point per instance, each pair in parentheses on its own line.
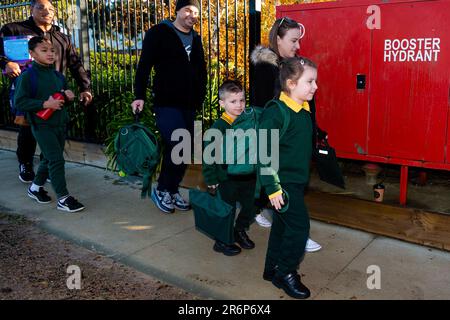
(384,78)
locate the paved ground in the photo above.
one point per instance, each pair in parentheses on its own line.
(121,226)
(36,265)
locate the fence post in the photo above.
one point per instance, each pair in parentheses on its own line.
(83,33)
(254,31)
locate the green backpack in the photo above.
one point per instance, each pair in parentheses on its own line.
(286,119)
(239,156)
(240,149)
(137,152)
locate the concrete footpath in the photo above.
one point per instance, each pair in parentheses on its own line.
(118,224)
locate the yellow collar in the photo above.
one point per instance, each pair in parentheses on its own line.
(294,105)
(227,118)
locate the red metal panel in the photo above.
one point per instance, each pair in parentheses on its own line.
(287,9)
(448,130)
(409,87)
(339,43)
(404,113)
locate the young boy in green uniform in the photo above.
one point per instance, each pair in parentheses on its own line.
(33,93)
(232,188)
(290,229)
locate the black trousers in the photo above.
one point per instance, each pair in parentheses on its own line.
(242,191)
(289,233)
(26,145)
(169,119)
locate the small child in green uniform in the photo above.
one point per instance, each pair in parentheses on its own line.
(232,188)
(50,133)
(290,229)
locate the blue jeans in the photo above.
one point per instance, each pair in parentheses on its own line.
(168,119)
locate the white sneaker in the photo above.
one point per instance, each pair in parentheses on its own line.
(163,200)
(179,203)
(263,221)
(312,246)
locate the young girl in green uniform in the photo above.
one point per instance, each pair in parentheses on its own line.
(285,186)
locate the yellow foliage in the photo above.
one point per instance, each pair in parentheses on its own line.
(268,14)
(225,33)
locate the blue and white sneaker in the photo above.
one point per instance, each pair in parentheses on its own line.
(163,200)
(179,203)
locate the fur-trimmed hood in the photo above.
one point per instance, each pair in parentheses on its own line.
(264,55)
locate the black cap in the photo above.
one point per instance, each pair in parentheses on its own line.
(184,3)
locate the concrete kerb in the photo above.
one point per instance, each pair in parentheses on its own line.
(128,260)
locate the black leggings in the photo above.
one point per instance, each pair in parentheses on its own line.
(26,145)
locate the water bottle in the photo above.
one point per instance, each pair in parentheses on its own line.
(45,114)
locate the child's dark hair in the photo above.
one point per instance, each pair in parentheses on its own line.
(32,44)
(227,86)
(292,69)
(280,28)
(33,2)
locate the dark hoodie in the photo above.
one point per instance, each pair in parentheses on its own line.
(66,56)
(179,80)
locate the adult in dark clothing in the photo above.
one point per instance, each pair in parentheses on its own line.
(175,52)
(40,24)
(284,42)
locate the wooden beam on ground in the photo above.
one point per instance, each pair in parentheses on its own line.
(74,151)
(412,225)
(193,178)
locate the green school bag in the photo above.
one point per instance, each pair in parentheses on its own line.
(213,216)
(240,149)
(137,152)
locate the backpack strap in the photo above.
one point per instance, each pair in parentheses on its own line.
(33,82)
(33,90)
(284,114)
(286,119)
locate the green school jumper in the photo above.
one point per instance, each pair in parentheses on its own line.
(232,188)
(290,230)
(49,134)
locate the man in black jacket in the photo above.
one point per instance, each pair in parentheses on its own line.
(175,52)
(40,24)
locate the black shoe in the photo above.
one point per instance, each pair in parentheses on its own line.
(26,173)
(292,285)
(269,273)
(70,204)
(40,196)
(243,240)
(226,249)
